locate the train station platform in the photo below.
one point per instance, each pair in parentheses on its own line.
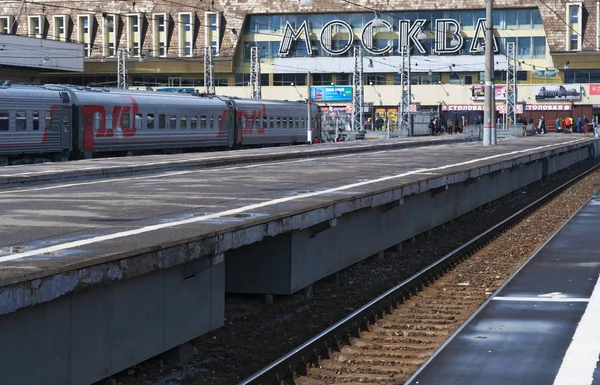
(541,327)
(125,268)
(136,165)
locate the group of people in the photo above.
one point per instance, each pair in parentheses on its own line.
(579,125)
(439,126)
(563,124)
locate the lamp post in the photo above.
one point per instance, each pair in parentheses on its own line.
(489,109)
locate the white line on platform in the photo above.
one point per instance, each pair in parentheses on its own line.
(538,299)
(581,358)
(147,229)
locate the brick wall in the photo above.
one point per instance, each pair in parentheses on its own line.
(235,11)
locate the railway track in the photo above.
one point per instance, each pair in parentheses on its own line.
(389,338)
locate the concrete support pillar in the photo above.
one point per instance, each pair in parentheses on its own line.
(308,292)
(398,249)
(268,299)
(381,255)
(181,354)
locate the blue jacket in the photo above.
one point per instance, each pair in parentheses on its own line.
(578,122)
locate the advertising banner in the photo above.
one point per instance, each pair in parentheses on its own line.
(558,92)
(331,93)
(594,89)
(478,92)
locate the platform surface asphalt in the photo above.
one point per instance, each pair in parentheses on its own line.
(134,165)
(542,327)
(49,229)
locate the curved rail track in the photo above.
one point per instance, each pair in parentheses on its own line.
(389,338)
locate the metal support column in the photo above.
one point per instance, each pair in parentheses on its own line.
(209,71)
(122,82)
(404,107)
(255,86)
(489,108)
(358,123)
(511,82)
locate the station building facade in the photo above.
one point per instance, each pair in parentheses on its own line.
(309,51)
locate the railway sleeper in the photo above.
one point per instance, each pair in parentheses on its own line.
(381,352)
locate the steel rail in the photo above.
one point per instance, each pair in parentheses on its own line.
(344,330)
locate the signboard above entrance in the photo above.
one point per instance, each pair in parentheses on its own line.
(447,40)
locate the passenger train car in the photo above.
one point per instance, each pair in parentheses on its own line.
(57,122)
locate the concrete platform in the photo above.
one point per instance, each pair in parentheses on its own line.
(126,166)
(125,268)
(541,327)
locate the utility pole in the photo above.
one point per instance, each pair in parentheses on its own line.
(511,81)
(122,82)
(209,71)
(358,123)
(255,86)
(309,137)
(404,107)
(489,109)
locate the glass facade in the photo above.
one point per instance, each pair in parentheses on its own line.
(523,26)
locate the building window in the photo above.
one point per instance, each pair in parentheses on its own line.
(35,26)
(60,27)
(539,47)
(574,26)
(524,47)
(374,79)
(6,25)
(343,79)
(289,79)
(242,79)
(109,35)
(85,24)
(160,34)
(186,34)
(212,32)
(135,25)
(322,79)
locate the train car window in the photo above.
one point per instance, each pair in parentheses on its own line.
(3,121)
(36,121)
(220,121)
(193,122)
(202,122)
(162,121)
(108,124)
(173,121)
(296,122)
(125,121)
(150,121)
(48,121)
(211,123)
(21,123)
(137,123)
(284,123)
(96,121)
(272,120)
(264,122)
(183,121)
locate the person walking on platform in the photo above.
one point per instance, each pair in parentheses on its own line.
(432,126)
(558,125)
(585,125)
(541,125)
(568,122)
(578,123)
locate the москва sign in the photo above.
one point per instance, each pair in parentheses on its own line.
(447,36)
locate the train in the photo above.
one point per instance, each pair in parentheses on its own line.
(41,123)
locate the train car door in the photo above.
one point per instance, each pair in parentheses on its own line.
(66,125)
(93,117)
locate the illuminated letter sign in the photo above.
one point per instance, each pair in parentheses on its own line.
(408,33)
(477,44)
(367,38)
(441,36)
(327,37)
(289,36)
